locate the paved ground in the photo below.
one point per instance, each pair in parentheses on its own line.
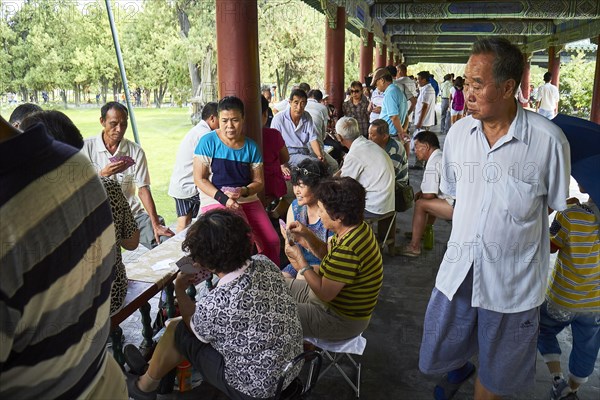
(390,361)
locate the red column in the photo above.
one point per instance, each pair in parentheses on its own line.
(237,59)
(390,60)
(595,114)
(554,65)
(366,58)
(381,56)
(334,59)
(525,77)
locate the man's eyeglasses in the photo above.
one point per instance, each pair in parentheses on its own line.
(355,90)
(303,171)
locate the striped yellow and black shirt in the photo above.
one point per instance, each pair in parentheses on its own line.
(575,281)
(355,260)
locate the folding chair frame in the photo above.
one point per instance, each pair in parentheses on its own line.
(334,362)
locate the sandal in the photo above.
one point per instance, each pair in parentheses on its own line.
(409,252)
(445,390)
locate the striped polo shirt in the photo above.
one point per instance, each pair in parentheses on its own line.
(56,264)
(575,280)
(355,260)
(228,166)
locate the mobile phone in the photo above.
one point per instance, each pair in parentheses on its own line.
(282,223)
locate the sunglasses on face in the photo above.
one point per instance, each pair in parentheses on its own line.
(355,90)
(303,171)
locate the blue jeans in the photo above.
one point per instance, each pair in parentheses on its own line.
(586,339)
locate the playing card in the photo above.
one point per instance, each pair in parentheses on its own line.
(128,160)
(235,190)
(186,265)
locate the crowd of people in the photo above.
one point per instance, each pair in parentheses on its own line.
(326,172)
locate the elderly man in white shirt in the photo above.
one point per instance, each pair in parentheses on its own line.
(371,166)
(505,165)
(110,143)
(182,187)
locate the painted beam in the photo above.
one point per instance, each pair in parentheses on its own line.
(532,9)
(472,27)
(441,39)
(566,33)
(441,60)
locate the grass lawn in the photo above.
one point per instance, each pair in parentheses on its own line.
(160,132)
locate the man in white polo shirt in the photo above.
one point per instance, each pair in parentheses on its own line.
(182,187)
(110,143)
(371,166)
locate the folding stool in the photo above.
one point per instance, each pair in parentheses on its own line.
(335,351)
(371,219)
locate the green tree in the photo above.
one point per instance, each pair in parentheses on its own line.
(291,43)
(576,83)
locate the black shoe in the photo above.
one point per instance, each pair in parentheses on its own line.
(135,392)
(134,358)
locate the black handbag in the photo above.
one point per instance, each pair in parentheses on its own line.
(405,197)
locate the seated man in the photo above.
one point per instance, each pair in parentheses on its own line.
(430,202)
(111,142)
(182,187)
(371,166)
(242,333)
(379,133)
(298,130)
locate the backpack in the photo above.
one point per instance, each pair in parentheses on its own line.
(458,101)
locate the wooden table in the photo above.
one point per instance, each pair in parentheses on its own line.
(152,272)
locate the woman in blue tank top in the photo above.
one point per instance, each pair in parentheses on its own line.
(305,177)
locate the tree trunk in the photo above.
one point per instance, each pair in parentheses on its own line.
(24,94)
(184,29)
(283,81)
(117,89)
(159,94)
(63,94)
(77,94)
(207,90)
(147,96)
(104,90)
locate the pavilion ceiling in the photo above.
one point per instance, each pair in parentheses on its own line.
(443,31)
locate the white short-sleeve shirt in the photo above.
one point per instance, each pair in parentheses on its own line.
(549,96)
(426,96)
(371,166)
(136,176)
(432,174)
(500,221)
(182,184)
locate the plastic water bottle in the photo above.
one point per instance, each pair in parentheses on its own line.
(428,238)
(184,376)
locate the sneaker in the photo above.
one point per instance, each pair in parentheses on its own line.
(561,390)
(135,360)
(135,392)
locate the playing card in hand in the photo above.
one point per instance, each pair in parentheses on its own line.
(128,160)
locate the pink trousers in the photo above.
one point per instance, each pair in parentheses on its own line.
(263,233)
